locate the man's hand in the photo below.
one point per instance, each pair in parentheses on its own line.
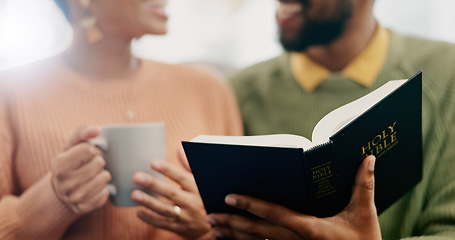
(357,221)
(78,174)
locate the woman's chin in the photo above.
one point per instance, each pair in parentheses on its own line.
(162,32)
(156,29)
(151,32)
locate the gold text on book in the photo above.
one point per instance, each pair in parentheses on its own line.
(382,142)
(323,178)
(322,172)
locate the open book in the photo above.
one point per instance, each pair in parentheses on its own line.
(316,177)
(324,129)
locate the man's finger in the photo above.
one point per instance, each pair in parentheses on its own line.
(241,228)
(271,212)
(363,190)
(225,232)
(81,135)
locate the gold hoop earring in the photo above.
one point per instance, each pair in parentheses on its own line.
(88,22)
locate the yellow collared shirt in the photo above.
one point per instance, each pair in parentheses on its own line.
(363,69)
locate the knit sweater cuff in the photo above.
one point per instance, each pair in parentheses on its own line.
(41,212)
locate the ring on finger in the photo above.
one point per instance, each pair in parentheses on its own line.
(177,211)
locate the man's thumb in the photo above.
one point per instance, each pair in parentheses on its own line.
(363,191)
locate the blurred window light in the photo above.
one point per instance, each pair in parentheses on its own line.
(28,31)
(433,19)
(229,34)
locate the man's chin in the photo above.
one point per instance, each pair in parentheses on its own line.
(291,44)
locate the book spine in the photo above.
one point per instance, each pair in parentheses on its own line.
(322,180)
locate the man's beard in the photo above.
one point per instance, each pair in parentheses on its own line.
(315,32)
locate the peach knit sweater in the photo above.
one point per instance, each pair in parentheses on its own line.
(42,104)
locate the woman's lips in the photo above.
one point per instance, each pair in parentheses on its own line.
(157,7)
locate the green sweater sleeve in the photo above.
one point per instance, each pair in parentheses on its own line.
(435,215)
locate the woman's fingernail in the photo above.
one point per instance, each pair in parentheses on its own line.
(157,164)
(138,196)
(86,131)
(371,163)
(230,200)
(140,178)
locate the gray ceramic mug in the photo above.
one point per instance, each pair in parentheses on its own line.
(128,149)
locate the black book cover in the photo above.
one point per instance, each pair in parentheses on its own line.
(318,181)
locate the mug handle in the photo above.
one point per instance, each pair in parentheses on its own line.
(102,144)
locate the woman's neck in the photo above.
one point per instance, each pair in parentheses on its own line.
(110,58)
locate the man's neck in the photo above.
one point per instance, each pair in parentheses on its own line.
(338,54)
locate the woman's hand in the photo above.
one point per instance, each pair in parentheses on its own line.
(179,207)
(78,174)
(358,221)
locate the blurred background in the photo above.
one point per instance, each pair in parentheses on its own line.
(226,34)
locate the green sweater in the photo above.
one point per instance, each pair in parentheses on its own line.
(272,101)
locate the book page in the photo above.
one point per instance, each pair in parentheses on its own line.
(273,140)
(340,117)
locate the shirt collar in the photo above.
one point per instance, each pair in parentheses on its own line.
(363,69)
